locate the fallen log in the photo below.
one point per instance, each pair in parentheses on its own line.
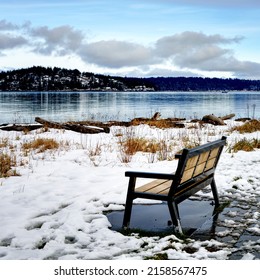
(243,119)
(227,117)
(81,128)
(212,119)
(48,123)
(20,127)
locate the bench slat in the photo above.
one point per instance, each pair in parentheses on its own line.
(199,169)
(187,175)
(203,157)
(191,162)
(214,153)
(155,187)
(210,164)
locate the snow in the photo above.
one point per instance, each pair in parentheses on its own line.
(56,208)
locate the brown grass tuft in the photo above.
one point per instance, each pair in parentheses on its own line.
(246,145)
(133,145)
(164,123)
(4,143)
(41,145)
(6,164)
(248,127)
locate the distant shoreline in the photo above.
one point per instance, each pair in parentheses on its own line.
(117,91)
(57,79)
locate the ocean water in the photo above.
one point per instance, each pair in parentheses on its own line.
(19,107)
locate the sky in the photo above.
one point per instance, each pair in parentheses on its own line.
(141,38)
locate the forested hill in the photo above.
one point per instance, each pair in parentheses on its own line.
(57,79)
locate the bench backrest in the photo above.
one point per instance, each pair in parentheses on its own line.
(197,164)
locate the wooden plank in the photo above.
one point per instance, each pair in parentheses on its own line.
(165,188)
(203,157)
(150,185)
(191,162)
(187,174)
(210,164)
(155,187)
(214,153)
(199,169)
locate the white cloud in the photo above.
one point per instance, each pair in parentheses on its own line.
(4,25)
(62,39)
(188,40)
(114,54)
(10,41)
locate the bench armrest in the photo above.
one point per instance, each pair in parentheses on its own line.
(151,175)
(178,156)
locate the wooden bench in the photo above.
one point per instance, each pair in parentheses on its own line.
(195,171)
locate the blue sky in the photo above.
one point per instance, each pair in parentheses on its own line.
(134,37)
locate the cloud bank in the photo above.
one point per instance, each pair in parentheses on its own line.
(189,52)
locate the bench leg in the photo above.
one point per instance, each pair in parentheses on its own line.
(215,192)
(174,212)
(128,211)
(129,202)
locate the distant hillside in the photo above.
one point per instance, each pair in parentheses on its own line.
(57,79)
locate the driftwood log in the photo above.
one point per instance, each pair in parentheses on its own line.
(243,119)
(20,127)
(77,127)
(227,117)
(212,119)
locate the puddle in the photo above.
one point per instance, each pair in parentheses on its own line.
(195,214)
(230,226)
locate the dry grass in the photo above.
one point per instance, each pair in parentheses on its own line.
(164,123)
(94,153)
(4,143)
(248,127)
(41,145)
(129,145)
(6,164)
(246,145)
(134,145)
(9,151)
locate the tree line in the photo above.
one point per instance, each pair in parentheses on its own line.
(39,78)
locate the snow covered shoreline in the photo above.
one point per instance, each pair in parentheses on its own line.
(56,208)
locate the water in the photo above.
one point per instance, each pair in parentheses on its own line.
(64,106)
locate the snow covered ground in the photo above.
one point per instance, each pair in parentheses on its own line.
(56,208)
